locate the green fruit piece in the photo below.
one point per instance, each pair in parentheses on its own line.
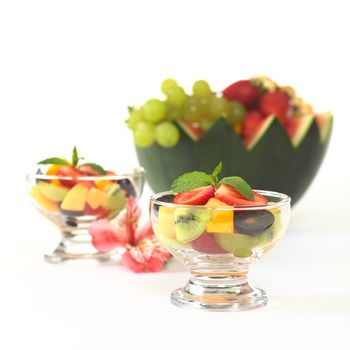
(134,118)
(201,89)
(166,84)
(116,198)
(192,111)
(44,203)
(154,110)
(75,199)
(176,96)
(237,244)
(237,113)
(190,223)
(167,134)
(272,233)
(52,192)
(205,124)
(144,134)
(218,107)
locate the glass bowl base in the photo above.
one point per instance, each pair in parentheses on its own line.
(223,294)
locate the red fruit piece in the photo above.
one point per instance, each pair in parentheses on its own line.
(99,212)
(104,236)
(231,196)
(251,125)
(87,170)
(276,103)
(206,243)
(242,91)
(67,171)
(198,196)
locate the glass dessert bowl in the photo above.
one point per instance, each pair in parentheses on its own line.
(219,243)
(74,201)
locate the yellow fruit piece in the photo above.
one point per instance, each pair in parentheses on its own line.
(56,182)
(165,223)
(75,199)
(237,129)
(96,198)
(101,184)
(52,171)
(222,221)
(43,202)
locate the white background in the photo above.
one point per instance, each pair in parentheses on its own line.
(68,69)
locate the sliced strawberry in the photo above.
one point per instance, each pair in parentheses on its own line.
(87,170)
(242,91)
(67,171)
(251,125)
(276,103)
(231,196)
(198,196)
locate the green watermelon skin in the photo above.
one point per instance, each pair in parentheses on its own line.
(272,164)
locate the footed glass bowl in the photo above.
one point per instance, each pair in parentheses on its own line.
(219,244)
(73,203)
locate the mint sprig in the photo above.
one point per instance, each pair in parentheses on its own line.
(240,185)
(54,160)
(196,179)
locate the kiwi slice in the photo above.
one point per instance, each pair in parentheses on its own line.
(190,223)
(253,222)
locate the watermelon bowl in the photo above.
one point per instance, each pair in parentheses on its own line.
(275,141)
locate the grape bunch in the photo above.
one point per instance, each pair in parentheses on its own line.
(244,104)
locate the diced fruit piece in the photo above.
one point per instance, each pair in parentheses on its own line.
(251,125)
(87,170)
(166,223)
(43,202)
(101,184)
(324,122)
(192,130)
(222,221)
(198,196)
(116,198)
(75,199)
(231,196)
(128,187)
(167,134)
(297,128)
(190,223)
(253,222)
(52,192)
(52,171)
(239,245)
(242,91)
(206,243)
(275,103)
(67,171)
(259,131)
(96,198)
(154,110)
(99,212)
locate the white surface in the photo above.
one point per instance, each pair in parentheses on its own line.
(67,71)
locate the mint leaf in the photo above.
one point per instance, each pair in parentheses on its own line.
(97,168)
(75,158)
(217,170)
(240,185)
(54,160)
(189,181)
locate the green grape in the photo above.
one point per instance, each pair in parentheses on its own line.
(205,124)
(144,134)
(166,84)
(154,110)
(174,113)
(237,114)
(201,89)
(134,118)
(167,134)
(218,107)
(193,110)
(176,96)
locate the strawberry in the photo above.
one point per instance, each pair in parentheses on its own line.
(251,125)
(231,196)
(68,171)
(242,91)
(276,103)
(197,196)
(87,170)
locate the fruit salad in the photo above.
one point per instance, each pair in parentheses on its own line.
(248,106)
(77,188)
(203,215)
